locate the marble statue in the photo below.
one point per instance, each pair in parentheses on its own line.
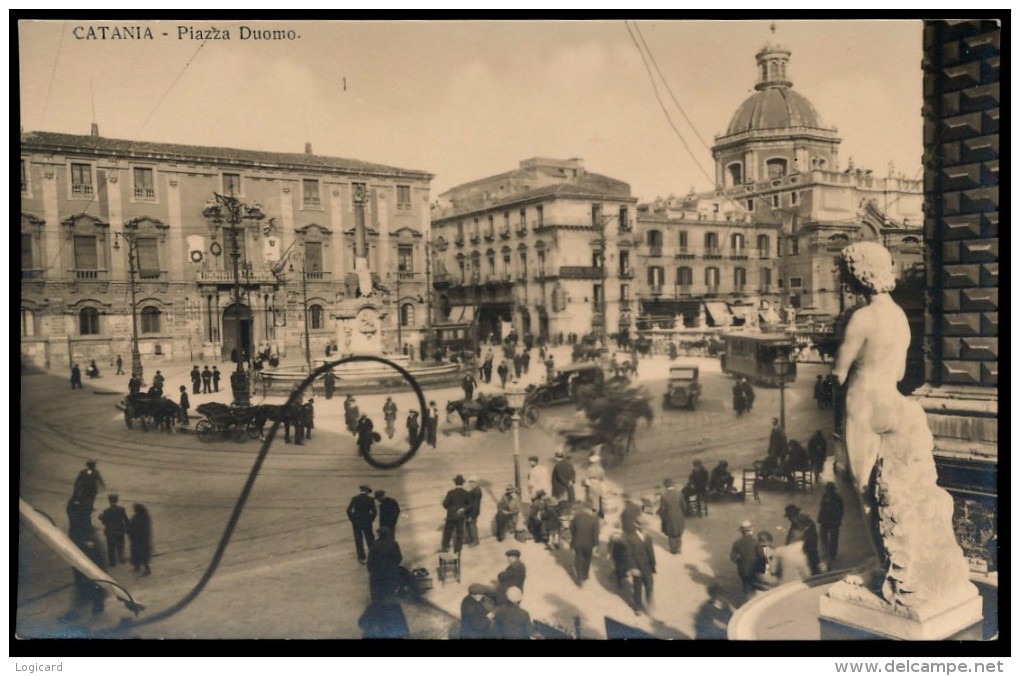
(889,453)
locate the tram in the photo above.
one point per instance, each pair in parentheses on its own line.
(753,356)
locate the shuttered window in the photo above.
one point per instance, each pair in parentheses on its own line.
(148,257)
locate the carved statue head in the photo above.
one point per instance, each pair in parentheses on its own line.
(868,267)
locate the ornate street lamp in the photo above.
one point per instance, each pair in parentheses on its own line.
(304,304)
(782,366)
(130,235)
(515,396)
(229,213)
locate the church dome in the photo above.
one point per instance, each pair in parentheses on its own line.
(773,108)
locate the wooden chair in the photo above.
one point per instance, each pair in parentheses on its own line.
(449,566)
(803,480)
(697,505)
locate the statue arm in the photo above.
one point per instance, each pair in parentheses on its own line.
(853,340)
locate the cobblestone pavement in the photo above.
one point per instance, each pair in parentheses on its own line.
(290,570)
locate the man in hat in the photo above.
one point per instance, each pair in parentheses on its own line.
(474,613)
(366,434)
(538,478)
(389,511)
(630,517)
(185,405)
(671,513)
(777,442)
(803,527)
(361,512)
(432,421)
(115,523)
(87,485)
(508,511)
(584,540)
(457,503)
(474,511)
(642,557)
(389,410)
(309,414)
(413,425)
(329,384)
(216,378)
(351,414)
(748,556)
(469,384)
(157,382)
(384,558)
(512,576)
(563,477)
(206,380)
(510,621)
(830,516)
(196,380)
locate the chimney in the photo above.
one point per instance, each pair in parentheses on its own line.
(308,147)
(95,129)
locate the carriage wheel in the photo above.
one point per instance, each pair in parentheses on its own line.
(506,421)
(253,431)
(238,434)
(531,415)
(205,430)
(129,413)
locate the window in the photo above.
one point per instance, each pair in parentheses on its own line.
(794,246)
(655,276)
(460,231)
(315,316)
(794,197)
(81,180)
(150,319)
(522,267)
(523,225)
(775,201)
(506,221)
(712,278)
(763,246)
(624,220)
(775,168)
(405,258)
(596,259)
(476,267)
(27,259)
(596,216)
(463,270)
(655,242)
(684,276)
(737,243)
(232,185)
(407,314)
(148,257)
(625,292)
(766,278)
(86,257)
(681,240)
(492,227)
(541,264)
(474,230)
(795,282)
(624,263)
(506,265)
(750,206)
(310,192)
(28,323)
(735,173)
(403,197)
(24,177)
(539,216)
(359,191)
(711,244)
(313,257)
(739,278)
(491,258)
(596,295)
(145,184)
(88,321)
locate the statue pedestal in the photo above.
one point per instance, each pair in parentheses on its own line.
(852,612)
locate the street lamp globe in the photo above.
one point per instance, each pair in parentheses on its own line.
(515,395)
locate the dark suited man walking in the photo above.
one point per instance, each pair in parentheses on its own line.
(584,540)
(361,511)
(457,503)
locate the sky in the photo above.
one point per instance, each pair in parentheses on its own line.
(466,100)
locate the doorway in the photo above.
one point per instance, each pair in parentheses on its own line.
(237,318)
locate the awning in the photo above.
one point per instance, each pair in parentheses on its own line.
(748,313)
(769,316)
(718,313)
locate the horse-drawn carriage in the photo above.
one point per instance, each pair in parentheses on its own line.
(610,420)
(490,411)
(226,422)
(150,409)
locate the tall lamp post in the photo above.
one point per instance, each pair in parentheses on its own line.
(515,396)
(304,304)
(229,213)
(782,365)
(130,235)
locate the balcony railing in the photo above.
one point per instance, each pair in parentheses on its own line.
(91,275)
(257,275)
(522,230)
(489,237)
(459,241)
(711,288)
(505,233)
(81,188)
(740,288)
(627,274)
(682,289)
(311,201)
(624,304)
(475,239)
(316,275)
(655,250)
(145,194)
(763,254)
(580,272)
(738,254)
(712,252)
(405,275)
(655,290)
(684,252)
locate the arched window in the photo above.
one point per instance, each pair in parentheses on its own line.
(737,243)
(88,321)
(711,244)
(739,279)
(776,168)
(407,314)
(315,317)
(735,173)
(763,246)
(712,278)
(150,319)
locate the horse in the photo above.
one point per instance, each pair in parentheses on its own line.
(293,414)
(166,414)
(467,410)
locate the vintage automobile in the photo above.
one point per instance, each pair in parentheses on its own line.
(564,384)
(682,389)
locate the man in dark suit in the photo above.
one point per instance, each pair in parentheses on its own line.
(671,514)
(642,556)
(510,621)
(432,421)
(469,384)
(474,613)
(474,511)
(389,511)
(206,380)
(584,540)
(777,441)
(803,525)
(457,503)
(216,378)
(361,512)
(563,477)
(196,380)
(748,556)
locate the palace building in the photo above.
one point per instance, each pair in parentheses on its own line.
(107,220)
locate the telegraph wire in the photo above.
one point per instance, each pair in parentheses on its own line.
(53,72)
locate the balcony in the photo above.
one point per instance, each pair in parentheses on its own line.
(765,288)
(655,250)
(311,202)
(522,231)
(91,275)
(740,288)
(684,253)
(711,289)
(490,237)
(711,253)
(626,274)
(580,272)
(316,275)
(32,273)
(405,275)
(475,239)
(738,254)
(147,194)
(625,305)
(655,290)
(763,254)
(537,225)
(459,241)
(682,290)
(81,189)
(504,233)
(522,276)
(442,279)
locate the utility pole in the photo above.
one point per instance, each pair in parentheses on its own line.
(130,235)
